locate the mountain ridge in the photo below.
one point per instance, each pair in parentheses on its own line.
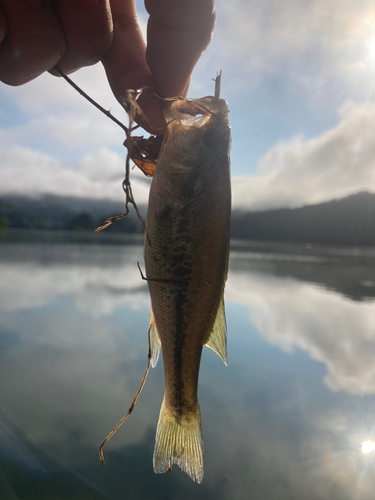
(50,212)
(346,221)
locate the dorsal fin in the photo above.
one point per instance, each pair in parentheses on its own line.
(218,338)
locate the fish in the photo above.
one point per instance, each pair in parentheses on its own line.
(186,255)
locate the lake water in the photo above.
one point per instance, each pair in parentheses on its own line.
(285,420)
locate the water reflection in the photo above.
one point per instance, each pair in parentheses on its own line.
(294,313)
(286,419)
(349,271)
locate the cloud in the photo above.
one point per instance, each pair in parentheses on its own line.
(53,115)
(98,300)
(96,290)
(60,144)
(50,95)
(88,386)
(339,162)
(333,329)
(83,369)
(82,351)
(314,45)
(68,129)
(97,175)
(318,44)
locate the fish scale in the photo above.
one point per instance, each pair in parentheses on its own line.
(186,257)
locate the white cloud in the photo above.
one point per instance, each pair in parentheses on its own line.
(56,118)
(68,129)
(318,44)
(84,348)
(333,329)
(95,290)
(83,369)
(77,381)
(291,314)
(54,113)
(302,171)
(339,162)
(98,175)
(313,44)
(50,95)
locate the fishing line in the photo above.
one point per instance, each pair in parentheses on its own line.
(86,96)
(132,108)
(101,456)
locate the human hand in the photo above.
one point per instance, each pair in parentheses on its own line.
(37,34)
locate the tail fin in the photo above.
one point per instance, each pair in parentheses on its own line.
(179,441)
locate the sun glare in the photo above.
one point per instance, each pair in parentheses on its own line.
(368,446)
(370,22)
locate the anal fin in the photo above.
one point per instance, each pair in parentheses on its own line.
(218,338)
(154,341)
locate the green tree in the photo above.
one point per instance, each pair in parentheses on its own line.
(4,224)
(81,222)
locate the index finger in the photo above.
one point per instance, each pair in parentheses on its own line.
(178,32)
(125,62)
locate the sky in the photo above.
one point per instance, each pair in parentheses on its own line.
(299,77)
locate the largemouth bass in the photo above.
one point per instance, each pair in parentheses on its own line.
(186,257)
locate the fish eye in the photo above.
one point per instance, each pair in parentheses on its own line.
(212,138)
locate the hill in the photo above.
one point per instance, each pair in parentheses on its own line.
(348,221)
(55,212)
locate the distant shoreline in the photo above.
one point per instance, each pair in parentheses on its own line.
(275,250)
(348,222)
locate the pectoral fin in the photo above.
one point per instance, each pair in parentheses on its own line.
(154,340)
(218,338)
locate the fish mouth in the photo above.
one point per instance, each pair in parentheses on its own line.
(198,121)
(196,112)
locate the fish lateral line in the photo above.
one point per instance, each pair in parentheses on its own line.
(160,280)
